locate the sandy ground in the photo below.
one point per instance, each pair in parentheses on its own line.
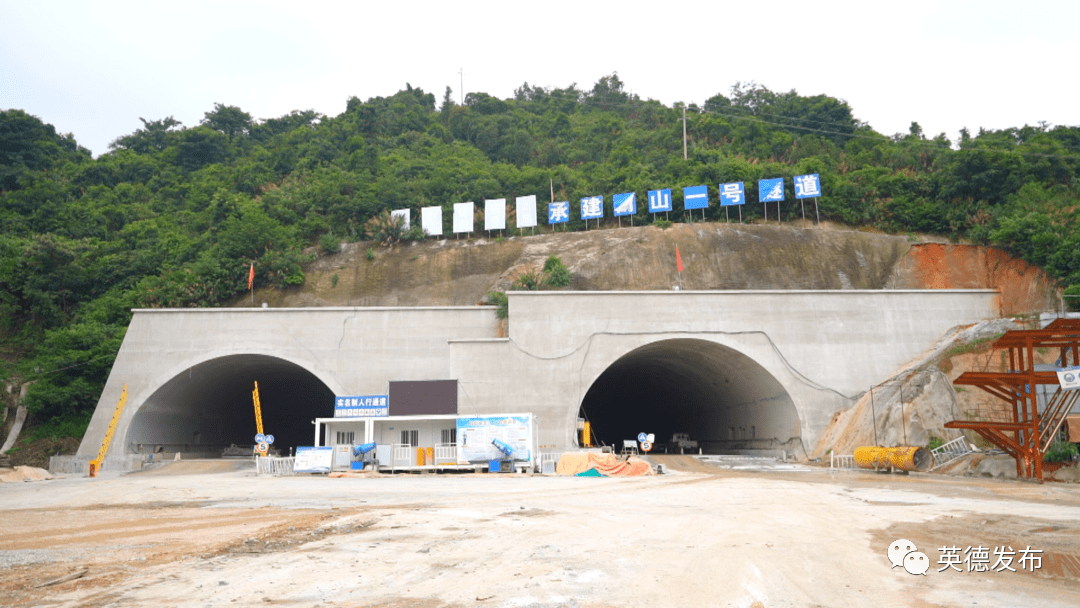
(214,534)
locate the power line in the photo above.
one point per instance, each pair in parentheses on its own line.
(878,137)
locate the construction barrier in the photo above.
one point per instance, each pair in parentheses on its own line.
(270,465)
(841,461)
(608,464)
(905,458)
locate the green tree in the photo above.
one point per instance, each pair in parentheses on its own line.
(230,120)
(155,136)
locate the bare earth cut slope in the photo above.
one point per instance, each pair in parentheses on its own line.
(715,255)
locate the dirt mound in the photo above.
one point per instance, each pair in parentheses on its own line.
(37,453)
(23,473)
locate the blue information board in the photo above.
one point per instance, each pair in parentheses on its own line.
(361,406)
(625,204)
(696,197)
(770,190)
(659,200)
(732,194)
(807,186)
(592,207)
(559,213)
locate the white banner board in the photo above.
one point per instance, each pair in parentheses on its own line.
(475,437)
(495,214)
(463,217)
(313,460)
(431,220)
(403,214)
(526,211)
(1069,378)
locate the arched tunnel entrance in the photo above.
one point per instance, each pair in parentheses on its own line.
(723,399)
(209,407)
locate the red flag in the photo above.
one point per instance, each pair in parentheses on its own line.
(678,258)
(251,275)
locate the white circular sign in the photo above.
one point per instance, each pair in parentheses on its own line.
(263,448)
(646,446)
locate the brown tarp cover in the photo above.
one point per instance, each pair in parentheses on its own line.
(1072,423)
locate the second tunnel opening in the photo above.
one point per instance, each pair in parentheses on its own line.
(723,399)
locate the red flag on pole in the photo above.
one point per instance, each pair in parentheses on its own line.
(678,258)
(251,275)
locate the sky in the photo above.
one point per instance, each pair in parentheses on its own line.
(93,69)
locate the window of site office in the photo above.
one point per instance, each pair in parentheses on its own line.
(410,438)
(448,436)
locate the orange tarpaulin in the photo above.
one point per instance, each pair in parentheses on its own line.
(573,463)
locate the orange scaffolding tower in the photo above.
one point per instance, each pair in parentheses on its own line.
(1018,427)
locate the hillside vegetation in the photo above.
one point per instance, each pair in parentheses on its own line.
(174,214)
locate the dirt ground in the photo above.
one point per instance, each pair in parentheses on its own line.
(211,533)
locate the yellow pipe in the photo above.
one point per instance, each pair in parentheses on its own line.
(905,458)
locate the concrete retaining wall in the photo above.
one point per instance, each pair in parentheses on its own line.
(80,465)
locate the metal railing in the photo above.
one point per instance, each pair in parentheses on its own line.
(545,457)
(270,465)
(446,453)
(401,455)
(841,461)
(948,452)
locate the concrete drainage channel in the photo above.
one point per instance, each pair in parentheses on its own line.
(750,463)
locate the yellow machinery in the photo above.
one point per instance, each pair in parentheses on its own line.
(95,465)
(258,413)
(902,458)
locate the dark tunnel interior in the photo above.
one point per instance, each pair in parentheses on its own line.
(209,407)
(722,398)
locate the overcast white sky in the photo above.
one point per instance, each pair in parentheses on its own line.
(93,68)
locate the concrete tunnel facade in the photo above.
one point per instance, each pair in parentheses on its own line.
(739,371)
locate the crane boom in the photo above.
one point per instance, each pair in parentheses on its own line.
(95,465)
(258,409)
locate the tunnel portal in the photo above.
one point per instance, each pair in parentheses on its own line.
(726,401)
(209,407)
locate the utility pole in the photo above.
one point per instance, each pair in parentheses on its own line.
(461,92)
(684,132)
